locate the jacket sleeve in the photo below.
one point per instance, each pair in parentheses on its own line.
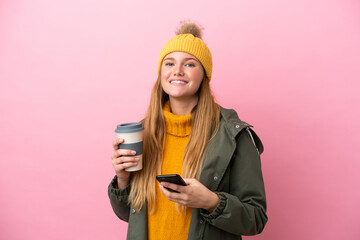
(119,200)
(242,209)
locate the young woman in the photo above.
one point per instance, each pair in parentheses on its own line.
(187,133)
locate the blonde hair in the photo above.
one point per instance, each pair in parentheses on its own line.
(204,125)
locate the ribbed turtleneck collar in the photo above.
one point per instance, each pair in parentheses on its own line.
(178,125)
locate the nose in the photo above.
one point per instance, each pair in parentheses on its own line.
(178,71)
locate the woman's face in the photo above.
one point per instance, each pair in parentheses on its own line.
(181,75)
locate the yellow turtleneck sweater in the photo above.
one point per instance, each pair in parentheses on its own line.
(166,222)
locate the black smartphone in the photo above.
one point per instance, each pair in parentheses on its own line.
(171,178)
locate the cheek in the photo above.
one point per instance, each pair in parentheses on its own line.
(164,74)
(198,76)
(163,82)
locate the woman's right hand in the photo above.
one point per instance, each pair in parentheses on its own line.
(120,161)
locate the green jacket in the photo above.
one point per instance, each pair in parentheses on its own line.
(232,170)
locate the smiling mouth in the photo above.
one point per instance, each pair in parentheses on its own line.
(178,81)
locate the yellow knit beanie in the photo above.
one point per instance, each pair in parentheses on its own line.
(189,40)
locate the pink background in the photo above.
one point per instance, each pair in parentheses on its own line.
(71,70)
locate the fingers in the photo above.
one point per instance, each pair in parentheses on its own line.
(167,192)
(122,160)
(124,165)
(123,152)
(194,194)
(117,142)
(174,196)
(174,187)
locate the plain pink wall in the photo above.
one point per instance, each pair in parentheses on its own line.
(71,70)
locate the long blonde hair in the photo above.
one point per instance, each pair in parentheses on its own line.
(204,124)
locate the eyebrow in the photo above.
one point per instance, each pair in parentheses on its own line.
(185,59)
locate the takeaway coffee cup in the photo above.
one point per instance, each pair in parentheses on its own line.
(132,133)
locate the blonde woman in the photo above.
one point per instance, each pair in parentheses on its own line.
(187,133)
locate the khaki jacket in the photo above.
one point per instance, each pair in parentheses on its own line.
(232,170)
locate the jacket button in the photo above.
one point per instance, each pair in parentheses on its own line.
(237,126)
(216,178)
(133,211)
(201,221)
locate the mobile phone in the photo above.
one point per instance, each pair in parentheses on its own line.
(171,178)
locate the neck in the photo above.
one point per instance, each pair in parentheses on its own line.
(182,107)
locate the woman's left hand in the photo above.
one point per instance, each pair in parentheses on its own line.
(194,195)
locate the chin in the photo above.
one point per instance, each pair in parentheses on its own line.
(176,94)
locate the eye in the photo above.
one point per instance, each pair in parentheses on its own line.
(170,64)
(190,65)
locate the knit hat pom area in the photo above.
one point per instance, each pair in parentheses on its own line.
(189,40)
(190,28)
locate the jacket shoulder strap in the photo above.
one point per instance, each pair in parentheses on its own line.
(256,140)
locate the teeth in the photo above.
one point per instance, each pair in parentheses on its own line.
(178,81)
